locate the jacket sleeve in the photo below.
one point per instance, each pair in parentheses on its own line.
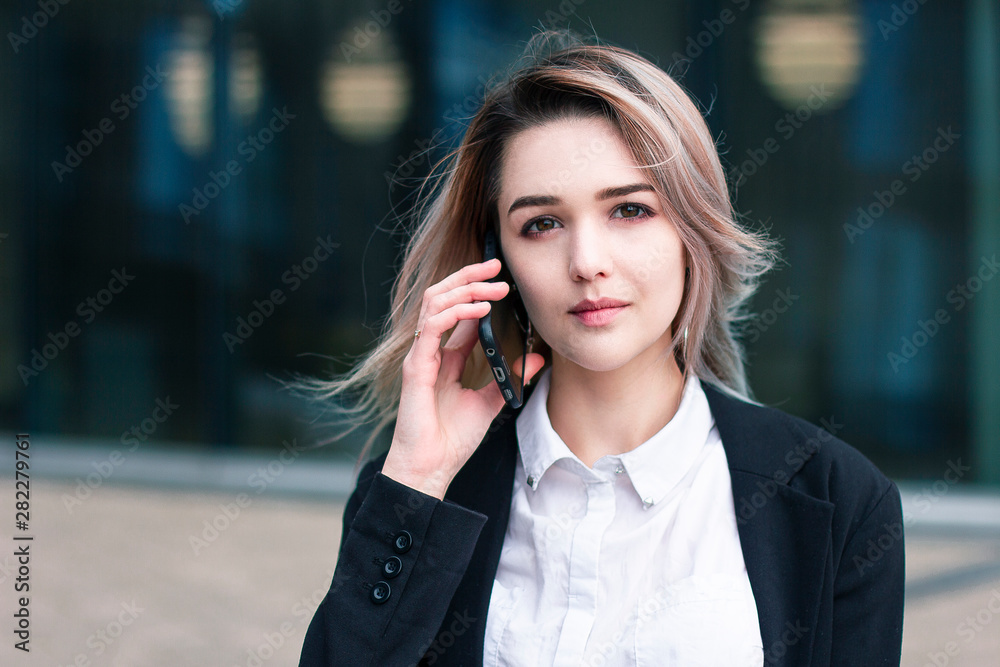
(402,556)
(868,591)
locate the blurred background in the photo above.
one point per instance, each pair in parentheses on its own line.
(199,199)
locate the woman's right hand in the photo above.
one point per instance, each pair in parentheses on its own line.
(440,423)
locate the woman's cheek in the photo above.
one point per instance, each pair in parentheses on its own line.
(536,311)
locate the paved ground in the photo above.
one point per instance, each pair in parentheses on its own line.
(125,556)
(117,579)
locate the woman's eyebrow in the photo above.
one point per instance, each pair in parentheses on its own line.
(622,190)
(533,200)
(606,193)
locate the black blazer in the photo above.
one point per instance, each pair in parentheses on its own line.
(820,527)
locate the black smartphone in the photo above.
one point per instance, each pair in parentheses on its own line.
(505,316)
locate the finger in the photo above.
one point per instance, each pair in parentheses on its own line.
(467,274)
(467,294)
(532,365)
(477,291)
(464,338)
(424,353)
(456,351)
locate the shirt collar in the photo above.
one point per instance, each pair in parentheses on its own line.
(654,467)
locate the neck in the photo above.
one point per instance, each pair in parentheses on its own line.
(612,412)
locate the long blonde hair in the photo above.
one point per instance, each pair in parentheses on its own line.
(560,75)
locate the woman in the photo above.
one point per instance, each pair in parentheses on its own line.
(639,508)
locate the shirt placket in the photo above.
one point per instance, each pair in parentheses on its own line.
(583,571)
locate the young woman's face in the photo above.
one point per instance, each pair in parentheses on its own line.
(579,222)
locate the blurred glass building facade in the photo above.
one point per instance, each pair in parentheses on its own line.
(199,197)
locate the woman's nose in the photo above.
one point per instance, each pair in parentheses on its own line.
(589,253)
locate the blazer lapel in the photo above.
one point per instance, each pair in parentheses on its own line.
(785,534)
(485,484)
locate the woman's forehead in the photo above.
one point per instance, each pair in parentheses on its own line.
(570,156)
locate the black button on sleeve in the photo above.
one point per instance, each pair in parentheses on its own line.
(380,592)
(402,542)
(392,567)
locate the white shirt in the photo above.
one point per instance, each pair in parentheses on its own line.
(634,562)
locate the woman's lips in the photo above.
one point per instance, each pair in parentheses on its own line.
(599,317)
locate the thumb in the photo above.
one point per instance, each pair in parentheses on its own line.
(532,365)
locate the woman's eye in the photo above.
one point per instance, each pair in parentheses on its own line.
(540,225)
(631,211)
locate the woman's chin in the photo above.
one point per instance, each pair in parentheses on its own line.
(596,361)
(602,360)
